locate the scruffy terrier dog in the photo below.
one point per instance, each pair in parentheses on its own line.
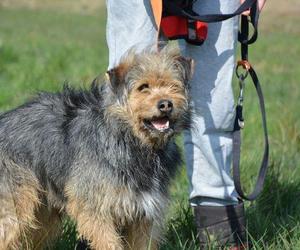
(104,156)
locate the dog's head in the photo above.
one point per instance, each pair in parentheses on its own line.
(151,94)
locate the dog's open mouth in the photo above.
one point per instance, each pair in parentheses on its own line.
(161,124)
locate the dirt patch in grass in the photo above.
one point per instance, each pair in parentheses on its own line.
(78,6)
(281,16)
(274,8)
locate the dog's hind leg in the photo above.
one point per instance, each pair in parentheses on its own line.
(18,201)
(11,227)
(49,226)
(141,236)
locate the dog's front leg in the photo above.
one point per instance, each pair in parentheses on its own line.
(99,231)
(101,234)
(141,235)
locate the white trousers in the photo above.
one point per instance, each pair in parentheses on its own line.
(208,147)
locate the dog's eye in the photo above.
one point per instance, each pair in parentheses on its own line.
(143,86)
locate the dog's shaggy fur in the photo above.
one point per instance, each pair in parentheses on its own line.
(103,156)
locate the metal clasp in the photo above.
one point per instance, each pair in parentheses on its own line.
(241,94)
(239,114)
(241,76)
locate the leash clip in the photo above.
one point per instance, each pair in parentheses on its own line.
(239,108)
(242,86)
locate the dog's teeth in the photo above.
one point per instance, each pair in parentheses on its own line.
(161,124)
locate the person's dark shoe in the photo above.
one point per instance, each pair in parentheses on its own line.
(221,226)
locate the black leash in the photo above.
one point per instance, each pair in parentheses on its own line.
(239,120)
(238,125)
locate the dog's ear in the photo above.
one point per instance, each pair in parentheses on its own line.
(113,78)
(117,77)
(185,66)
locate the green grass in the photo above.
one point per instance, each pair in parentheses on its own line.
(40,50)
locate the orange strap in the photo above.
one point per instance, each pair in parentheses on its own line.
(157,11)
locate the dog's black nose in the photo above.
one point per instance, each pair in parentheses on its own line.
(165,106)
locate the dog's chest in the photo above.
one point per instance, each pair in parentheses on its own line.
(131,205)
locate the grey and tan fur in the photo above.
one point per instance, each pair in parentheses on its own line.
(102,156)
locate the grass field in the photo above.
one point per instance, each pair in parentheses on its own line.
(41,48)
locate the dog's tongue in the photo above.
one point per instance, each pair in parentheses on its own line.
(161,124)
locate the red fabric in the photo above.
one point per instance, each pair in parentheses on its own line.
(201,30)
(173,26)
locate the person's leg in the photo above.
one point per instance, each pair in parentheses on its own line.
(130,24)
(208,146)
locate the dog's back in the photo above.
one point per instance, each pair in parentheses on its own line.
(31,136)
